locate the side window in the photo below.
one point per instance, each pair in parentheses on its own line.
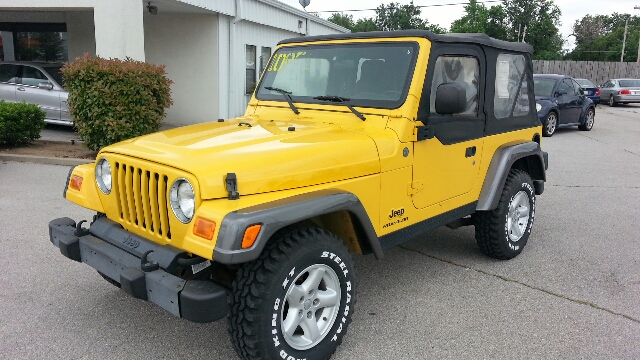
(8,73)
(32,76)
(250,80)
(565,86)
(576,87)
(512,86)
(459,69)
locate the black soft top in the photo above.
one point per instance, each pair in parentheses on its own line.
(482,39)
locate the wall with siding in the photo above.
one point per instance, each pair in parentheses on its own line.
(596,71)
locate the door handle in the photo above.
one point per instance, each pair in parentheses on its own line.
(20,89)
(471,151)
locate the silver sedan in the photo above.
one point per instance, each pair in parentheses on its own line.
(36,83)
(620,91)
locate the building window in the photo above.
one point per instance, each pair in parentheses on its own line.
(251,69)
(265,54)
(33,42)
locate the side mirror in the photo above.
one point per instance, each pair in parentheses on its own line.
(562,92)
(451,98)
(45,85)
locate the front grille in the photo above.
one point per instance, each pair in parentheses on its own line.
(142,200)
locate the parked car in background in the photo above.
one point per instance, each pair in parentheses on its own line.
(590,90)
(561,102)
(621,91)
(36,83)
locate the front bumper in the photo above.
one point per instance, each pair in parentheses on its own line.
(143,268)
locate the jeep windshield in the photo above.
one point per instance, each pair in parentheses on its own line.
(374,75)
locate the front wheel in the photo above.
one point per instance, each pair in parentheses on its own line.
(503,232)
(589,119)
(296,300)
(550,123)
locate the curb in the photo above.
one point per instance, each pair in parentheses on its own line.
(44,159)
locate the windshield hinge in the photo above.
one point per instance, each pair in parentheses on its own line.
(415,187)
(424,132)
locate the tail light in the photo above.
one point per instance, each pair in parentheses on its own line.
(624,92)
(597,91)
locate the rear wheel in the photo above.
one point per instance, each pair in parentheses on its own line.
(589,119)
(550,123)
(612,101)
(503,232)
(296,300)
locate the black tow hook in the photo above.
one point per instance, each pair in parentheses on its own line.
(147,265)
(80,231)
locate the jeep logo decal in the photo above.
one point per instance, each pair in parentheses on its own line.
(396,213)
(131,242)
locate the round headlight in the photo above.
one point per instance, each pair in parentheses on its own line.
(538,107)
(183,200)
(103,175)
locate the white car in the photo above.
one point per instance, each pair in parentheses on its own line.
(36,83)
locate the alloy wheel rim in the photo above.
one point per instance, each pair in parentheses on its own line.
(312,302)
(517,216)
(590,117)
(551,123)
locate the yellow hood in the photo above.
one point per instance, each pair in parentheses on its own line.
(264,155)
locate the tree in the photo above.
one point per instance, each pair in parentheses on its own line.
(479,19)
(475,19)
(346,21)
(535,22)
(395,16)
(599,38)
(366,24)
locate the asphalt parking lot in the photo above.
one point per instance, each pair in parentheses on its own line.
(574,292)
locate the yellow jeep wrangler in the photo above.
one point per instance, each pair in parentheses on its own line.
(351,143)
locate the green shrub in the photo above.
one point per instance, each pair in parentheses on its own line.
(114,100)
(20,123)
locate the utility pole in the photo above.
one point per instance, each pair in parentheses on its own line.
(638,8)
(624,39)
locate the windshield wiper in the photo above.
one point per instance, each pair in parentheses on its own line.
(287,95)
(343,100)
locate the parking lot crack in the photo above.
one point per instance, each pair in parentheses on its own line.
(507,279)
(606,143)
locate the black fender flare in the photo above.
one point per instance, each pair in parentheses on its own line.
(535,162)
(278,214)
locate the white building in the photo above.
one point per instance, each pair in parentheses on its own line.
(213,50)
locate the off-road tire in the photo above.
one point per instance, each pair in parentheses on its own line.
(263,288)
(493,234)
(589,119)
(110,280)
(550,124)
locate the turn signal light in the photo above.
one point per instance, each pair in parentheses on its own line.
(250,235)
(76,182)
(204,228)
(625,92)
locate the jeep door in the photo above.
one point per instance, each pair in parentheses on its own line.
(447,165)
(568,102)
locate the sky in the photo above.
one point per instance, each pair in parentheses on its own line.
(572,10)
